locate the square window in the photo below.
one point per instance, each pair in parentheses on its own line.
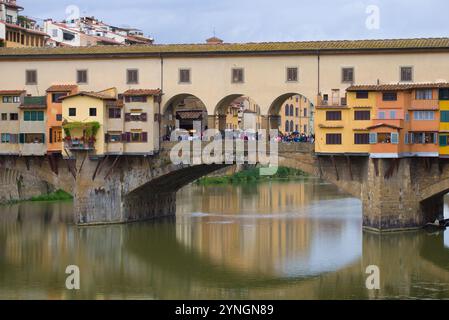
(292,74)
(13,116)
(237,75)
(407,74)
(4,116)
(81,76)
(362,95)
(390,96)
(132,76)
(92,112)
(347,75)
(31,77)
(184,76)
(59,117)
(72,112)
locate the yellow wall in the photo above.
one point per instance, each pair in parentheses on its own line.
(444,127)
(82,105)
(349,126)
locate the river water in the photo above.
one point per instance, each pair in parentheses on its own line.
(273,240)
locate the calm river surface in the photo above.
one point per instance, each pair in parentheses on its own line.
(279,240)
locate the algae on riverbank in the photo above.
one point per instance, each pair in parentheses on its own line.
(253,175)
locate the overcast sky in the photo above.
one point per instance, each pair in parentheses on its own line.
(192,21)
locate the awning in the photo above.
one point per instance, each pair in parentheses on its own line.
(189,115)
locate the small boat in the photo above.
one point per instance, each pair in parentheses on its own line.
(436,226)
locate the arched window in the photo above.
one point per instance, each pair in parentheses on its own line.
(287,126)
(286,110)
(291,126)
(291,110)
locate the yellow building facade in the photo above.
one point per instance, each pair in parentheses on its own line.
(105,123)
(296,115)
(344,128)
(444,125)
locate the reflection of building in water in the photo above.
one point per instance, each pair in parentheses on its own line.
(248,227)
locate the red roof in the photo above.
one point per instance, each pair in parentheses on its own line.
(11,92)
(397,87)
(380,125)
(62,88)
(14,26)
(89,94)
(142,92)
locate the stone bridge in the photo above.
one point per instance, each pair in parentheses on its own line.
(396,194)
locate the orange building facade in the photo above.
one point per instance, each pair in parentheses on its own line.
(404,121)
(54,115)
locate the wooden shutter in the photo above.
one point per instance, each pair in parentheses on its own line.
(124,137)
(143,117)
(144,136)
(22,138)
(127,117)
(395,138)
(373,138)
(106,137)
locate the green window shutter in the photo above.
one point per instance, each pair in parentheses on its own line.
(33,116)
(40,116)
(373,138)
(444,116)
(26,116)
(43,138)
(443,140)
(22,138)
(395,138)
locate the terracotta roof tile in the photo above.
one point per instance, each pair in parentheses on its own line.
(227,48)
(11,92)
(62,88)
(142,92)
(380,125)
(398,87)
(89,94)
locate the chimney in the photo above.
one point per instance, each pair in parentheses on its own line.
(214,40)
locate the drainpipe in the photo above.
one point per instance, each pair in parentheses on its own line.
(319,66)
(160,100)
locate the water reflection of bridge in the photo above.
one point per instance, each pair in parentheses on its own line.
(153,261)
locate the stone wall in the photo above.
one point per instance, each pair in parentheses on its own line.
(21,186)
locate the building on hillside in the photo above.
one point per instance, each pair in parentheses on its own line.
(54,115)
(17,30)
(33,126)
(89,31)
(10,101)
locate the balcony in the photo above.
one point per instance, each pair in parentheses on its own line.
(78,144)
(334,102)
(431,104)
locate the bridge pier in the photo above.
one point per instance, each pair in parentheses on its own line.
(391,197)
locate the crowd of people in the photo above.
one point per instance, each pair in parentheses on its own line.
(296,137)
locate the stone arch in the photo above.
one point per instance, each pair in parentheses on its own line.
(277,112)
(438,189)
(177,105)
(222,107)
